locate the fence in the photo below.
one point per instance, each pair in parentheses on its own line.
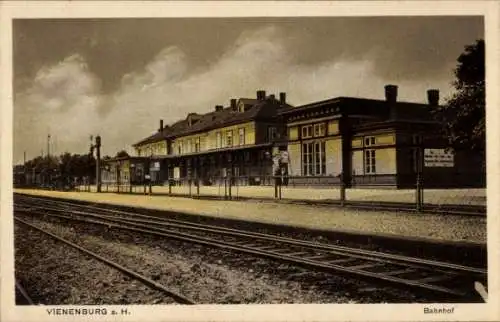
(420,196)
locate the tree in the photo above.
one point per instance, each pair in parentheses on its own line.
(122,154)
(463,115)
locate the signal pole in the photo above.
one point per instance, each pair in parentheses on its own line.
(48,146)
(98,162)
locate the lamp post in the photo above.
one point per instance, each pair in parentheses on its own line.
(150,177)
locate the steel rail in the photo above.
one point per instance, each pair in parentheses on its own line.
(22,292)
(152,284)
(329,266)
(291,241)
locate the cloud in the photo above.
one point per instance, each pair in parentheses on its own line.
(62,101)
(66,98)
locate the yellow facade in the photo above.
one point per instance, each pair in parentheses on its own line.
(155,148)
(294,161)
(124,171)
(357,162)
(385,139)
(208,140)
(357,143)
(385,161)
(293,133)
(333,151)
(333,127)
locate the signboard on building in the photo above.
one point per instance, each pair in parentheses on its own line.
(155,166)
(177,173)
(438,158)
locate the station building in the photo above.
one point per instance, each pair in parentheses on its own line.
(235,141)
(367,142)
(360,142)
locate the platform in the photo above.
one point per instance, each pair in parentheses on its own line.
(437,227)
(475,197)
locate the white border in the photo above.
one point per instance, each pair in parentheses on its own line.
(356,312)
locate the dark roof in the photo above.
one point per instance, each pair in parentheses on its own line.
(356,105)
(264,109)
(124,158)
(158,136)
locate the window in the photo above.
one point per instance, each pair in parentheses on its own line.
(319,129)
(229,138)
(369,140)
(313,159)
(218,140)
(179,147)
(241,134)
(307,131)
(271,132)
(370,167)
(191,147)
(197,145)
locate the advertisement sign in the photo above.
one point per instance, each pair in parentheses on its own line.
(438,158)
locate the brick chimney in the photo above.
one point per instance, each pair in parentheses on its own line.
(391,97)
(433,97)
(391,93)
(233,104)
(161,126)
(218,108)
(282,98)
(261,95)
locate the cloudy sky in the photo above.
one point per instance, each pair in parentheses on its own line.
(119,77)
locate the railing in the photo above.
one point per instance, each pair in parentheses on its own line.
(410,192)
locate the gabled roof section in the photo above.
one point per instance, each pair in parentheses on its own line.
(156,137)
(266,108)
(255,109)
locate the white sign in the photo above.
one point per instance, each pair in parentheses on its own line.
(177,173)
(438,158)
(284,156)
(147,176)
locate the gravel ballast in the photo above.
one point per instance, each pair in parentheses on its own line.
(54,273)
(218,277)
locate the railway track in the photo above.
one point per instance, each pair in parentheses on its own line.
(22,297)
(132,274)
(433,277)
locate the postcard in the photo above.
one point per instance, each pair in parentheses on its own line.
(249,161)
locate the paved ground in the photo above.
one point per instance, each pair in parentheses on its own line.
(432,196)
(440,227)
